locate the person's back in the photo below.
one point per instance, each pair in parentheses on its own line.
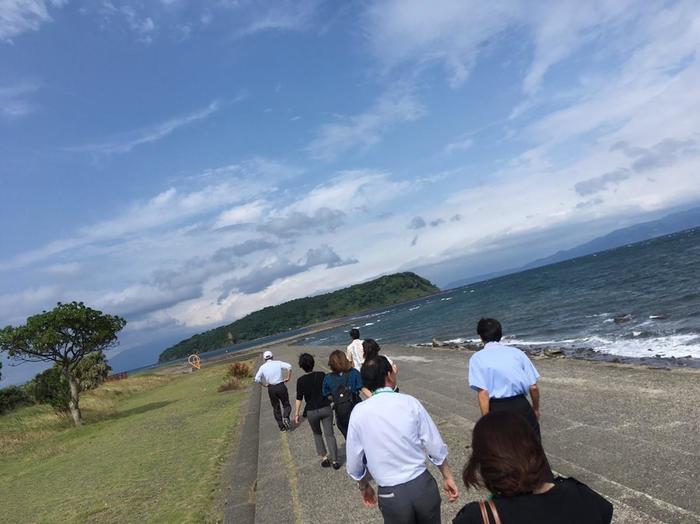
(568,501)
(310,387)
(503,368)
(399,452)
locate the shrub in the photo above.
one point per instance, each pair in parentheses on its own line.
(51,387)
(239,370)
(230,384)
(13,397)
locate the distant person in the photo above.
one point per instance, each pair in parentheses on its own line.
(371,350)
(318,411)
(388,439)
(354,351)
(503,375)
(508,460)
(342,385)
(274,375)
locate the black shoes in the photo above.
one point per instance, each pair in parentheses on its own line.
(325,463)
(287,424)
(336,465)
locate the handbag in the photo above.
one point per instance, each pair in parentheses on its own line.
(485,514)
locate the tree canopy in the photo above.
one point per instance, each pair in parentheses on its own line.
(65,335)
(381,292)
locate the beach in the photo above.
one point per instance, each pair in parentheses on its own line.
(630,432)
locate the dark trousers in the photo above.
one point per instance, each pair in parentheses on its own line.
(520,405)
(414,502)
(517,404)
(279,395)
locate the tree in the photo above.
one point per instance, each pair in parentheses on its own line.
(65,335)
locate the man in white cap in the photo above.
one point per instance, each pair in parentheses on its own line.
(273,375)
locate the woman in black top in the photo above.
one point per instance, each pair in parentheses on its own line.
(318,411)
(508,460)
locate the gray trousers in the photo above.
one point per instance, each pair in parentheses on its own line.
(323,417)
(414,502)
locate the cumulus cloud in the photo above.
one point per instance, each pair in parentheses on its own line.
(663,154)
(244,214)
(602,182)
(245,248)
(280,268)
(323,220)
(363,130)
(417,223)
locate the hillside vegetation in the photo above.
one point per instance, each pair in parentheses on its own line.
(151,450)
(381,292)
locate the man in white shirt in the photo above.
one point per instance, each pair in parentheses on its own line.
(394,432)
(274,374)
(355,351)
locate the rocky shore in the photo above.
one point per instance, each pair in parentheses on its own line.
(537,352)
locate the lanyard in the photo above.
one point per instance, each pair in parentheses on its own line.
(383,390)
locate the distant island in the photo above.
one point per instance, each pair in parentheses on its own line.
(381,292)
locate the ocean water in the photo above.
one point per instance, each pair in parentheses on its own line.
(573,305)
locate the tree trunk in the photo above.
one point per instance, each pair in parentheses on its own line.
(74,402)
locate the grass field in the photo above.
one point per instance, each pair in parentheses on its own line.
(151,450)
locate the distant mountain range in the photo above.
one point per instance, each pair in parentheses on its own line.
(672,223)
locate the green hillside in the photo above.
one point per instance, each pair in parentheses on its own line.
(384,291)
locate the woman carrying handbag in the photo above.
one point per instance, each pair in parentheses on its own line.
(508,460)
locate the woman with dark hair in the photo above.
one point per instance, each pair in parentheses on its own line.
(318,411)
(371,350)
(508,460)
(342,385)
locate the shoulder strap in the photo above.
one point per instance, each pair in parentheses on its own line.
(496,517)
(347,378)
(484,515)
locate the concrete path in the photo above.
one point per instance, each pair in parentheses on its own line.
(629,432)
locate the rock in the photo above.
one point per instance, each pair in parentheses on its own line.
(621,319)
(437,343)
(553,352)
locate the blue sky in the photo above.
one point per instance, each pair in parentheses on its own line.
(184,163)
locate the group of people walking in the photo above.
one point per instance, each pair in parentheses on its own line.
(388,435)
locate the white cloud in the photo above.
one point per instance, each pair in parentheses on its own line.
(132,139)
(461,143)
(244,214)
(363,130)
(14,101)
(281,15)
(453,33)
(20,16)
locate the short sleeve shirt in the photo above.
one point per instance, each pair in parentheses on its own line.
(503,371)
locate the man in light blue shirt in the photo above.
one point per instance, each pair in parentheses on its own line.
(394,432)
(503,376)
(274,375)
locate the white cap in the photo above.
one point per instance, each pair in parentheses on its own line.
(267,355)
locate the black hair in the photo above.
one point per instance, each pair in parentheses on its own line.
(374,372)
(489,329)
(306,362)
(371,348)
(354,333)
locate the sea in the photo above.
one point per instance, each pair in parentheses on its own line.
(636,302)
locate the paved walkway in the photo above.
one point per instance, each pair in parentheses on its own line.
(630,433)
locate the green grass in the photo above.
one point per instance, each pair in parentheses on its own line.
(151,450)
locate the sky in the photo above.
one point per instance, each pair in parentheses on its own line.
(184,163)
